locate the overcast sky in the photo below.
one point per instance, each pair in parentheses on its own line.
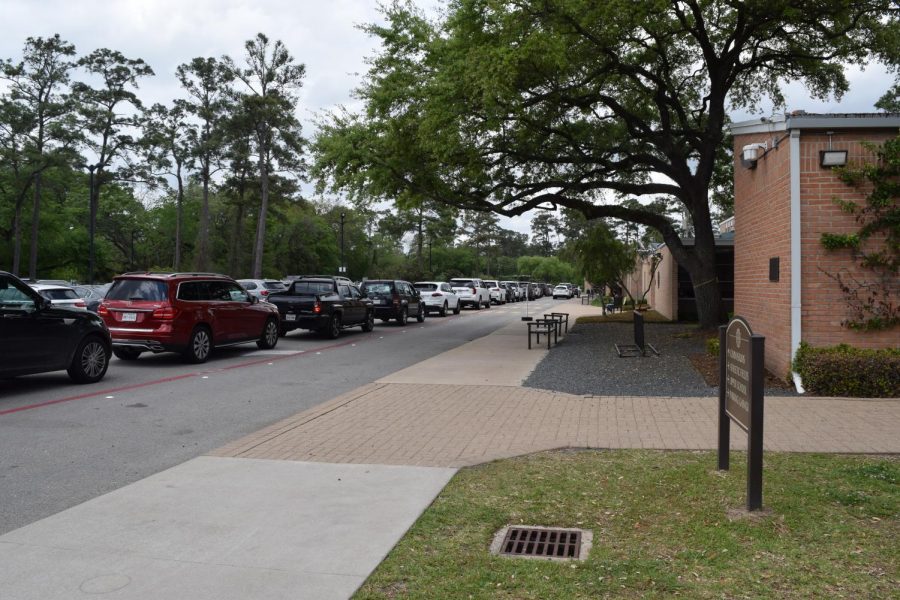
(319,33)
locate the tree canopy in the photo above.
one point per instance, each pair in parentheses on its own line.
(510,106)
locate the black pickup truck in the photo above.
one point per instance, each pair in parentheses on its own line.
(324,304)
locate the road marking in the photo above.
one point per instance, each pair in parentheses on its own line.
(162,380)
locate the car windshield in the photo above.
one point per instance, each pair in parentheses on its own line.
(148,290)
(274,285)
(462,283)
(313,287)
(426,287)
(377,288)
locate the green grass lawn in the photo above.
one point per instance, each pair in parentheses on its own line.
(665,524)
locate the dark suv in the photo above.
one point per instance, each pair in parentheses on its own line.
(37,337)
(394,299)
(190,313)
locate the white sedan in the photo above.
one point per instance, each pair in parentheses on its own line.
(562,291)
(438,297)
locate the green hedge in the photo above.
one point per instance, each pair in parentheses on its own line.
(846,371)
(712,346)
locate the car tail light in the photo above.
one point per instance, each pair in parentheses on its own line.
(396,298)
(317,307)
(474,291)
(81,304)
(264,293)
(102,310)
(164,313)
(436,295)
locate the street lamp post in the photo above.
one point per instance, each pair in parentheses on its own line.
(343,268)
(430,268)
(92,224)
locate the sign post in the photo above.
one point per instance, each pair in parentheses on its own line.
(741,394)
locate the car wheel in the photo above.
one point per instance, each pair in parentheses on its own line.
(126,353)
(477,305)
(443,311)
(269,336)
(421,316)
(369,325)
(90,361)
(404,316)
(458,308)
(199,346)
(334,327)
(487,305)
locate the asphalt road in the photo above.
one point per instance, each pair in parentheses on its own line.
(62,444)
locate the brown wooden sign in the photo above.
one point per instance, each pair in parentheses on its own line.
(738,363)
(741,397)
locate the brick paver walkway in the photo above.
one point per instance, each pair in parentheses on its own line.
(459,425)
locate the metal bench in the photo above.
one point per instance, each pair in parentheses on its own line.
(540,327)
(560,316)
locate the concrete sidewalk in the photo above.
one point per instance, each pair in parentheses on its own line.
(266,517)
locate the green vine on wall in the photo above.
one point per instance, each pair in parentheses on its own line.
(873,301)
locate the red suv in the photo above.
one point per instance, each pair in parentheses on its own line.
(190,313)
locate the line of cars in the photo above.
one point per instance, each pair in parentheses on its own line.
(48,327)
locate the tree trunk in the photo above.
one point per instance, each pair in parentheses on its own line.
(179,218)
(202,260)
(263,209)
(700,263)
(234,261)
(35,221)
(17,244)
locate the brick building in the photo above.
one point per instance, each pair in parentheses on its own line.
(784,200)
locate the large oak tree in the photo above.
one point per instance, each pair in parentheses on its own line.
(518,104)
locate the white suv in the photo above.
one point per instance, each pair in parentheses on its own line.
(471,291)
(495,292)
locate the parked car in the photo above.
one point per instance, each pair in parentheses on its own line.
(92,294)
(394,299)
(561,291)
(515,291)
(261,288)
(471,291)
(39,336)
(60,295)
(438,297)
(497,294)
(189,313)
(324,304)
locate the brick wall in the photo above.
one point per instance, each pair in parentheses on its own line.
(823,304)
(762,216)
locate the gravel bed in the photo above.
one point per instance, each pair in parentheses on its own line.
(586,363)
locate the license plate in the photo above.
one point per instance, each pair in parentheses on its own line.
(129,317)
(377,301)
(290,317)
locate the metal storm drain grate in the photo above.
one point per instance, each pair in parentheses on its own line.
(541,542)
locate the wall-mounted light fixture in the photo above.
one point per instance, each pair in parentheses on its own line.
(751,153)
(831,157)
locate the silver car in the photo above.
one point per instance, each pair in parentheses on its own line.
(60,295)
(261,288)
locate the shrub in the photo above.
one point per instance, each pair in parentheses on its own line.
(846,371)
(712,346)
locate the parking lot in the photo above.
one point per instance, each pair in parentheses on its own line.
(63,444)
